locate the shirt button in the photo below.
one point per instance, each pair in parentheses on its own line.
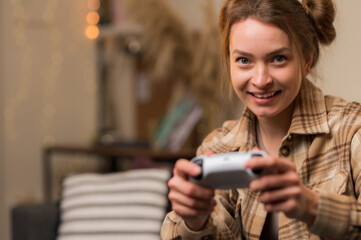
(285,151)
(290,138)
(208,237)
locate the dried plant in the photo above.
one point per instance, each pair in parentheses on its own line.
(207,67)
(167,47)
(171,53)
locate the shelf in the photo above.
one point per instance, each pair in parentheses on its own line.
(109,153)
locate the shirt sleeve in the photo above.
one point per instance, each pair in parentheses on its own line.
(339,216)
(221,225)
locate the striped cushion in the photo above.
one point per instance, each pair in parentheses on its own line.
(127,205)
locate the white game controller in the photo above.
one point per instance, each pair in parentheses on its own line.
(226,170)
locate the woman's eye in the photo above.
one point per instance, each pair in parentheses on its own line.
(243,60)
(279,59)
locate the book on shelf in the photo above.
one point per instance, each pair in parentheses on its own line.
(184,128)
(177,125)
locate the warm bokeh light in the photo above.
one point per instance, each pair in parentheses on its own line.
(92,18)
(92,32)
(93,5)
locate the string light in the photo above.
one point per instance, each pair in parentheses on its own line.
(26,79)
(93,5)
(25,70)
(92,18)
(25,66)
(51,75)
(92,32)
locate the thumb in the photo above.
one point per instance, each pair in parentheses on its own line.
(209,153)
(256,149)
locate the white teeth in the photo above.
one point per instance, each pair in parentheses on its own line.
(264,95)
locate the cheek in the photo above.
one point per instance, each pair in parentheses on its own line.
(288,76)
(234,77)
(238,78)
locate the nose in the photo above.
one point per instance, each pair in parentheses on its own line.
(261,78)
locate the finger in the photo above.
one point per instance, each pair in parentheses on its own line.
(274,181)
(276,164)
(190,189)
(185,168)
(280,195)
(200,205)
(185,211)
(290,207)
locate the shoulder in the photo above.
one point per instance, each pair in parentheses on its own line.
(343,115)
(340,108)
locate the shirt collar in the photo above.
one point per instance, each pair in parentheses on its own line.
(309,115)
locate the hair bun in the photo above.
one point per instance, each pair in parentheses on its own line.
(323,14)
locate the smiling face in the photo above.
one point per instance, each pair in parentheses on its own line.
(264,68)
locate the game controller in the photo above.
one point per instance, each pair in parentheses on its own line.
(226,170)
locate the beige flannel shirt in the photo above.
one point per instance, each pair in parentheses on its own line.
(324,144)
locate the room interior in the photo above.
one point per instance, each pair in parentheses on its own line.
(93,86)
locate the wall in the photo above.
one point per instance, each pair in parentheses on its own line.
(2,191)
(47,89)
(47,83)
(191,11)
(340,63)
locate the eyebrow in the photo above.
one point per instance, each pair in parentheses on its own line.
(277,51)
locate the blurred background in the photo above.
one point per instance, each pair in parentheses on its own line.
(79,76)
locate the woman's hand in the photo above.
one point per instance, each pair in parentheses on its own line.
(282,190)
(190,201)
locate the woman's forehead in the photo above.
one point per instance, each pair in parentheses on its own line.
(251,33)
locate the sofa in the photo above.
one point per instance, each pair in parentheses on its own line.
(123,205)
(35,221)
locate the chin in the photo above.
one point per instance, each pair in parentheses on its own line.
(263,112)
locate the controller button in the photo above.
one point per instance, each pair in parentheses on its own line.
(256,155)
(289,138)
(285,151)
(200,163)
(257,171)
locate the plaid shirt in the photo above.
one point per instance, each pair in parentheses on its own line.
(324,144)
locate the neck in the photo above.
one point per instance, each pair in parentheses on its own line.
(271,131)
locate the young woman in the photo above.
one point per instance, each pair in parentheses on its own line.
(312,140)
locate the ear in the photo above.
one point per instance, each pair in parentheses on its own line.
(308,64)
